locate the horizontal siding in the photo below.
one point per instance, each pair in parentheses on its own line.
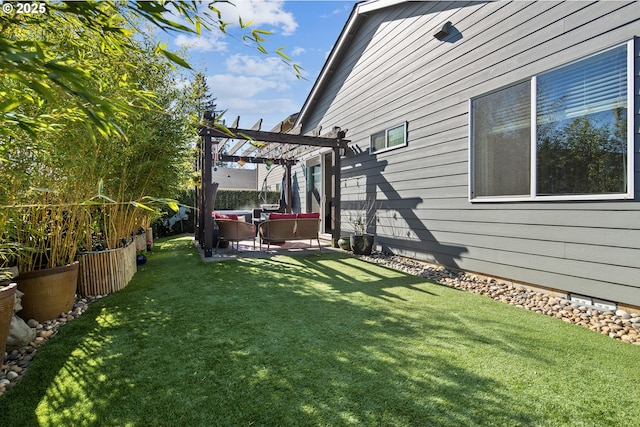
(475,243)
(610,220)
(605,237)
(394,71)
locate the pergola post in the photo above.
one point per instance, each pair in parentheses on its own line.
(197,197)
(209,190)
(335,198)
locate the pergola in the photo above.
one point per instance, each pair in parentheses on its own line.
(211,134)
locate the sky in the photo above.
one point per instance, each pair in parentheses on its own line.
(247,83)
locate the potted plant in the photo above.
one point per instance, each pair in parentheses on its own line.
(7,299)
(48,232)
(8,270)
(141,258)
(362,220)
(108,259)
(344,243)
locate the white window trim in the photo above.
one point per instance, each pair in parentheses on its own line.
(628,195)
(386,139)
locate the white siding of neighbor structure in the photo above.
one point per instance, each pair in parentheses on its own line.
(393,71)
(235,179)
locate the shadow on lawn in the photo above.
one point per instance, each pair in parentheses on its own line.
(312,340)
(346,275)
(41,391)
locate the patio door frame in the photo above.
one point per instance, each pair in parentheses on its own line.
(325,161)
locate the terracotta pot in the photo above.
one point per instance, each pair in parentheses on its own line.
(48,292)
(7,299)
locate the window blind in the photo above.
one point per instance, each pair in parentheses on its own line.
(591,86)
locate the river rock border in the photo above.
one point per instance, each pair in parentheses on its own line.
(619,325)
(17,361)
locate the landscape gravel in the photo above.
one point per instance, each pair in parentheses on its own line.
(620,325)
(17,361)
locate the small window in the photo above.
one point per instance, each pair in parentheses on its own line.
(388,139)
(561,135)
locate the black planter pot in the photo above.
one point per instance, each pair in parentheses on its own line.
(223,243)
(362,244)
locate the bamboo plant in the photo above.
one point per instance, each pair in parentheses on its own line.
(47,231)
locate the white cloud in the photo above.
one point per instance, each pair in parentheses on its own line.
(246,83)
(211,42)
(252,97)
(271,111)
(270,68)
(262,13)
(345,8)
(229,86)
(255,86)
(297,51)
(280,108)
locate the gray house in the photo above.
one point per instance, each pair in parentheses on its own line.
(495,137)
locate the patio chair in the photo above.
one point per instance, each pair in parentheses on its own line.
(234,231)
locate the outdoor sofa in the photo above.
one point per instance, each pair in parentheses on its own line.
(290,226)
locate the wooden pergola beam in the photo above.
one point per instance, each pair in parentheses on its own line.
(250,159)
(282,138)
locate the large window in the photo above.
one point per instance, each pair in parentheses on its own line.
(563,134)
(389,138)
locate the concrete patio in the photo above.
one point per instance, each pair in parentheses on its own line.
(246,249)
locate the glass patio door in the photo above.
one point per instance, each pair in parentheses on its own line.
(319,189)
(314,188)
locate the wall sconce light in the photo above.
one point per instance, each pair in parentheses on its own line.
(444,31)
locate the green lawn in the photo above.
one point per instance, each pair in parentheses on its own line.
(317,340)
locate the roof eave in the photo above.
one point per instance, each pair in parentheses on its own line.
(357,14)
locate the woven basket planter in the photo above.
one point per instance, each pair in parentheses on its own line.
(105,272)
(149,234)
(140,241)
(48,292)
